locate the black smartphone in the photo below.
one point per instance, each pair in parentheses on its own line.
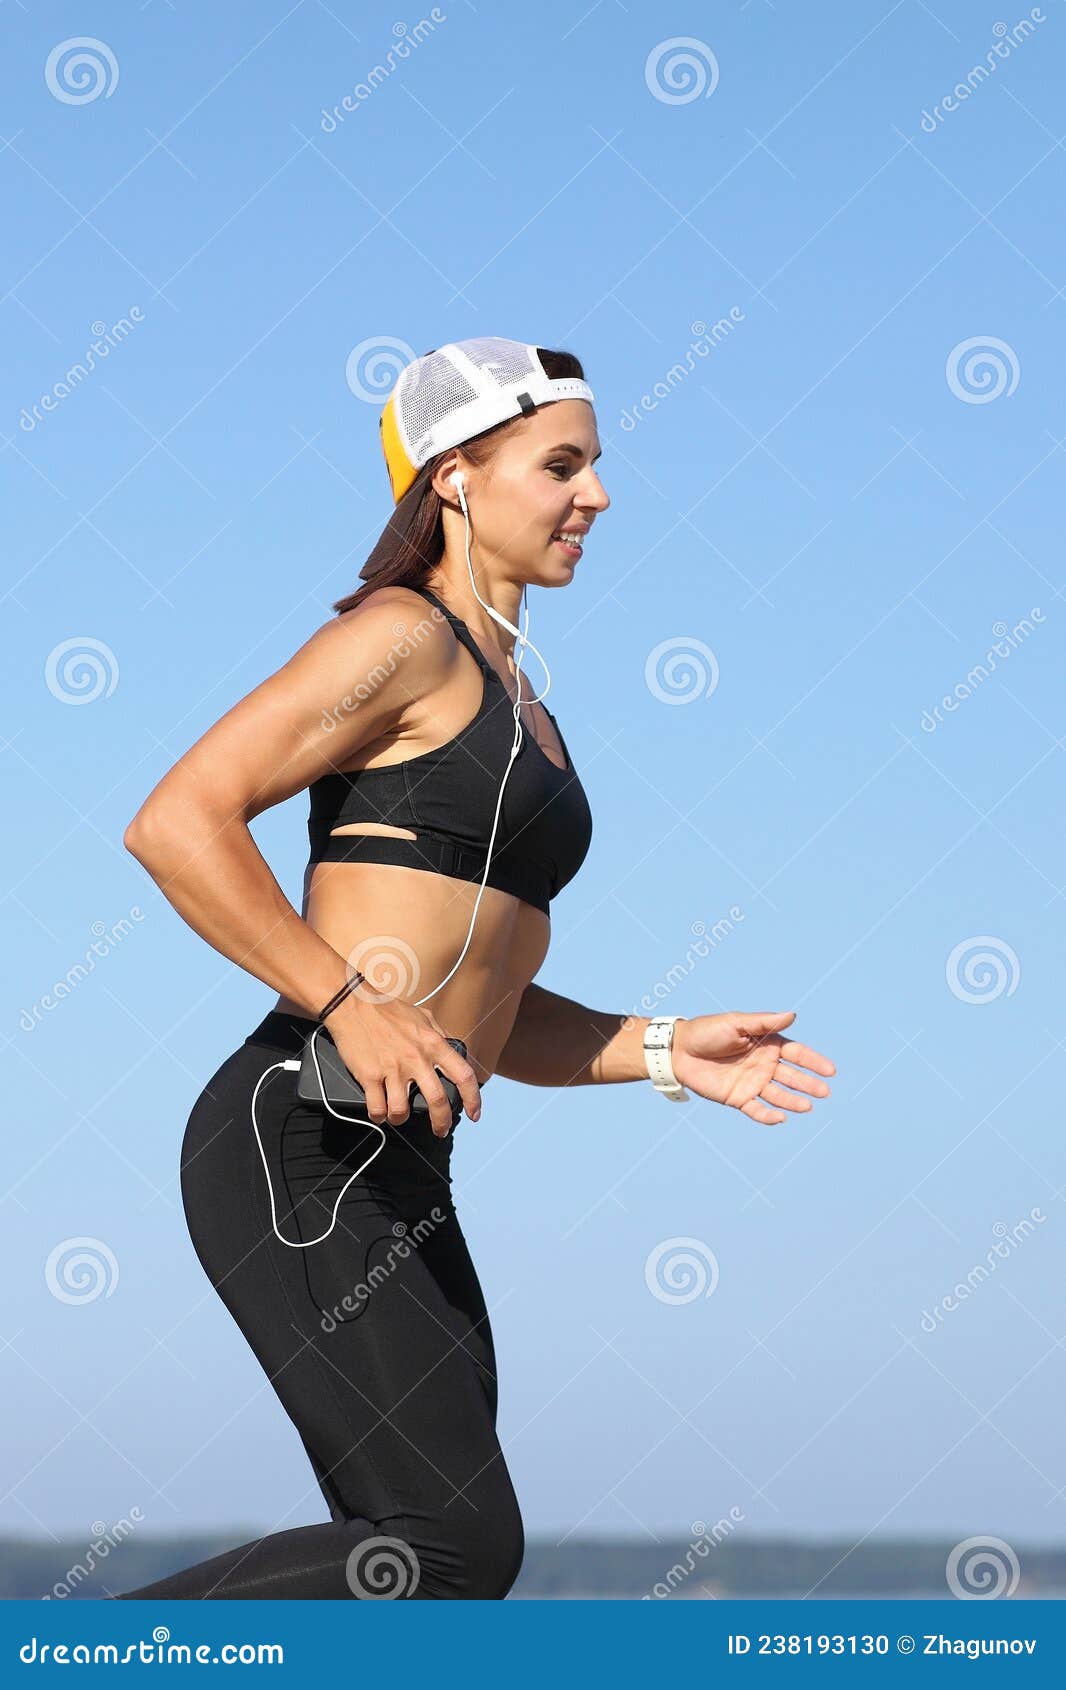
(342,1088)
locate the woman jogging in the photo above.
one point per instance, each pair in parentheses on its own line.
(445,814)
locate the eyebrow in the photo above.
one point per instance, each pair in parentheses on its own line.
(577,451)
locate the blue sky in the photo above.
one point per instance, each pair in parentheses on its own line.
(823,521)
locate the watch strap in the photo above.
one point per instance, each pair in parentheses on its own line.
(658,1039)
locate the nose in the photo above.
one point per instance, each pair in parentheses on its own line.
(591,494)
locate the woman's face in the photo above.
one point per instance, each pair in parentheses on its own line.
(540,482)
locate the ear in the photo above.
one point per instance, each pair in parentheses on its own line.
(441,481)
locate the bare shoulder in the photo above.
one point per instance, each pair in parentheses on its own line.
(350,683)
(402,612)
(392,641)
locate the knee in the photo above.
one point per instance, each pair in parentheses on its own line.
(492,1555)
(471,1558)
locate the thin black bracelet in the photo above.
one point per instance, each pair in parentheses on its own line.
(339,997)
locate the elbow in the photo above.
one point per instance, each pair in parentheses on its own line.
(134,839)
(143,833)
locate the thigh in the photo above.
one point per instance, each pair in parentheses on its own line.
(376,1338)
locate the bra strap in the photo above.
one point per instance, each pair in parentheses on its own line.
(462,633)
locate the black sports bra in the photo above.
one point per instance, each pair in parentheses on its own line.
(448,797)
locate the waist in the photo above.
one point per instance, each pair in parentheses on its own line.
(287,1033)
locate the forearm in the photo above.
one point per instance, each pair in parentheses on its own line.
(215,876)
(557,1042)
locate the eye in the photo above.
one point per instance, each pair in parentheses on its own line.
(564,467)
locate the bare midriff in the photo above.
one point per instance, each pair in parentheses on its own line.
(404,928)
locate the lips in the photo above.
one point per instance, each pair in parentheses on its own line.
(574,544)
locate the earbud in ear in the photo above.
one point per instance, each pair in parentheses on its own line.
(457,480)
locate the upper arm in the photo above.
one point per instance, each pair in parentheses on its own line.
(350,682)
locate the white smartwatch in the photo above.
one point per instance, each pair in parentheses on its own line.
(658,1041)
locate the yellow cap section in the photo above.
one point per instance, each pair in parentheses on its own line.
(401,470)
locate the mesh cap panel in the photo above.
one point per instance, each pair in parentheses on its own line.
(434,390)
(506,361)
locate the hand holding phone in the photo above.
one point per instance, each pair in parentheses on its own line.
(328,1080)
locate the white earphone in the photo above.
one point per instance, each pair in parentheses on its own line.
(457,481)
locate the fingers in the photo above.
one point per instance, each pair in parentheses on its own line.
(440,1109)
(759,1112)
(377,1106)
(782,1099)
(799,1081)
(457,1068)
(394,1103)
(807,1058)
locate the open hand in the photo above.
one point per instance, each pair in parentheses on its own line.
(741,1060)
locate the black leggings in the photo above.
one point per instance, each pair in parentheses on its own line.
(376,1340)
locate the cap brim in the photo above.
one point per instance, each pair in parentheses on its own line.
(398,525)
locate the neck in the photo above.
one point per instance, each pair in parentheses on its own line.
(451,583)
